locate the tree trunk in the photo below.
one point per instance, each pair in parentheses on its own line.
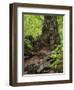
(50,37)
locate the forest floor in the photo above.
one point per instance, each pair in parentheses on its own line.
(39,62)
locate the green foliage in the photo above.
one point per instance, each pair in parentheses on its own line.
(60,27)
(28,43)
(33,25)
(57,57)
